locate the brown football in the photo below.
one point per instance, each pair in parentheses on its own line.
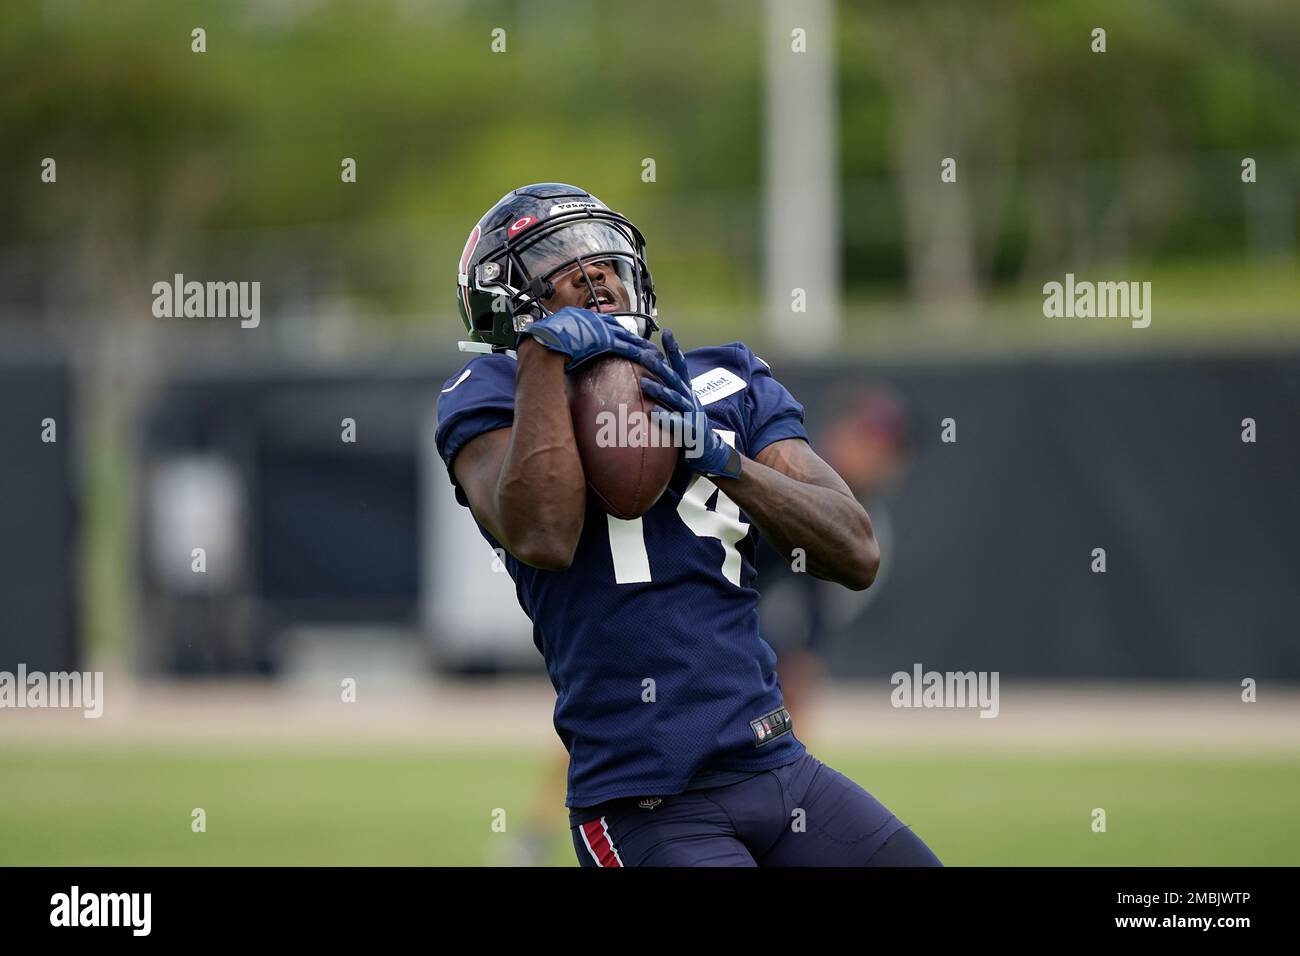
(627,467)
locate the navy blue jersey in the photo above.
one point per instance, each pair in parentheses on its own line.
(651,636)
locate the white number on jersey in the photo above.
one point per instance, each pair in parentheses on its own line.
(627,538)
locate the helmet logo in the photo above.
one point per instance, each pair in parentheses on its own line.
(573,205)
(519,225)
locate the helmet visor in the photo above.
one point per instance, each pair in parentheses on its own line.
(598,258)
(563,244)
(609,280)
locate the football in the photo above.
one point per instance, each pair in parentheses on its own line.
(627,460)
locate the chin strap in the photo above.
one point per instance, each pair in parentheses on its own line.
(483,348)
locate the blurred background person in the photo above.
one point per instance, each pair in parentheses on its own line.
(867,440)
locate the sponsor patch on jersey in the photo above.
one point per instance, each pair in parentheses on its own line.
(770,726)
(715,384)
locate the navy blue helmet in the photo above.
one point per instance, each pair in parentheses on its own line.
(534,234)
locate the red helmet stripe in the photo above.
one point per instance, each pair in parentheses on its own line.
(470,245)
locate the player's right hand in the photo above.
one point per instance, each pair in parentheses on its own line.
(582,335)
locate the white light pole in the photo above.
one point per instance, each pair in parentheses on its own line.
(801,220)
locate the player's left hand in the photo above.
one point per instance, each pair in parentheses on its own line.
(705,450)
(582,335)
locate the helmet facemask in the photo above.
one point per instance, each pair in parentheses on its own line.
(607,252)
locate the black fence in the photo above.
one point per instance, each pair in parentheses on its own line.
(990,551)
(40,527)
(993,535)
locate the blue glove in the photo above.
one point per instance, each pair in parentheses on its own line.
(581,335)
(705,450)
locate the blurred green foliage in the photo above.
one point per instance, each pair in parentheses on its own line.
(389,807)
(175,160)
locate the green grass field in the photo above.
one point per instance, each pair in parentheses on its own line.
(74,807)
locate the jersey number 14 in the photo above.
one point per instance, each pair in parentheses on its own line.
(627,537)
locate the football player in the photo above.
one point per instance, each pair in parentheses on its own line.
(680,750)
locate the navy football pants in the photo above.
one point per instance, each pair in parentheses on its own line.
(756,823)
